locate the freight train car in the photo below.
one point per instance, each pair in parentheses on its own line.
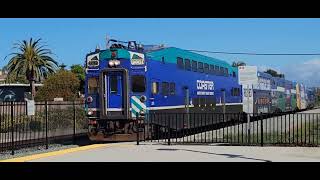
(261,93)
(273,95)
(279,97)
(293,92)
(311,98)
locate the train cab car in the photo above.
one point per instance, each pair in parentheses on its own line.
(129,81)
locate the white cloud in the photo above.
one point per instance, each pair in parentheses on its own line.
(307,72)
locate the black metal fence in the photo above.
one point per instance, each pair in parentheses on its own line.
(299,129)
(51,122)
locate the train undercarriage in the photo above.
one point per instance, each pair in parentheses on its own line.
(116,130)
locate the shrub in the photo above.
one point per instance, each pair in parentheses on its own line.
(63,84)
(57,119)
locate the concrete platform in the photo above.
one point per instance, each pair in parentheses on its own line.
(147,152)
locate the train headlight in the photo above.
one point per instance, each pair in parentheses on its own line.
(111,63)
(142,112)
(89,99)
(90,112)
(116,62)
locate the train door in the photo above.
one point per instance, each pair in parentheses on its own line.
(115,93)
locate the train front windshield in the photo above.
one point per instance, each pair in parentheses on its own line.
(138,83)
(93,85)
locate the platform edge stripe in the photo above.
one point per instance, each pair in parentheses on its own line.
(53,153)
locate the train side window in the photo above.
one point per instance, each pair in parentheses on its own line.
(221,71)
(206,68)
(187,64)
(234,74)
(162,60)
(165,88)
(113,84)
(200,66)
(180,63)
(155,88)
(235,92)
(93,85)
(211,69)
(194,66)
(172,88)
(217,70)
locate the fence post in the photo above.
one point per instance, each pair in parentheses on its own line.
(261,129)
(47,142)
(169,134)
(248,128)
(74,122)
(12,129)
(138,131)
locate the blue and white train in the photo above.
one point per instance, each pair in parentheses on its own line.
(128,80)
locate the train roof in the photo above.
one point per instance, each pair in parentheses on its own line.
(173,52)
(263,74)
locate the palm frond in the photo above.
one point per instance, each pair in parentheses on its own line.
(31,58)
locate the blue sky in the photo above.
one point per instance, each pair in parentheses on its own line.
(71,39)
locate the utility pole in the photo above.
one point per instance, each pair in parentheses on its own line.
(248,112)
(224,103)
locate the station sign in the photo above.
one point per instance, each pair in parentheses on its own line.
(30,108)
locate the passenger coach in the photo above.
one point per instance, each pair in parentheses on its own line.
(128,79)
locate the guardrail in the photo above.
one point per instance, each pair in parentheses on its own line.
(52,121)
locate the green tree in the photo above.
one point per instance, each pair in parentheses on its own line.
(274,73)
(16,79)
(80,72)
(32,61)
(63,84)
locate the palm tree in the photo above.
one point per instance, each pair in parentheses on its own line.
(33,61)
